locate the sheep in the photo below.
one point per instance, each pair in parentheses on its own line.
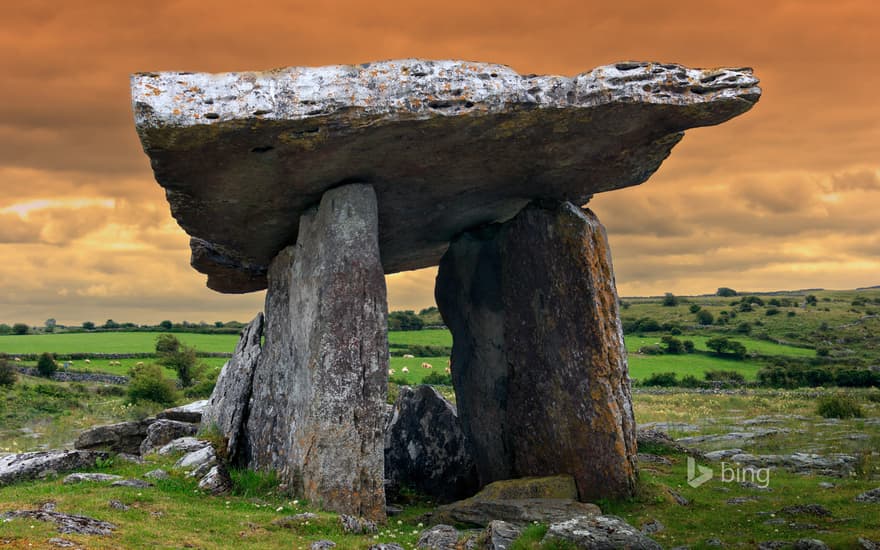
(408,356)
(427,366)
(447,370)
(404,369)
(391,371)
(88,361)
(140,363)
(17,359)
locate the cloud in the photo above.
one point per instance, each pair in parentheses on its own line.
(783,196)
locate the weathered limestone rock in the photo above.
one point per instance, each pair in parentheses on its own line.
(162,431)
(425,447)
(228,407)
(518,501)
(80,477)
(122,437)
(183,445)
(191,412)
(67,523)
(243,155)
(24,466)
(538,361)
(217,480)
(600,533)
(318,401)
(439,537)
(501,534)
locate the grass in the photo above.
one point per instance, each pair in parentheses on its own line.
(176,514)
(642,366)
(111,342)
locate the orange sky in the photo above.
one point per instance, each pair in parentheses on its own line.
(785,196)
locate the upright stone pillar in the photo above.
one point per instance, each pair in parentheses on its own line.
(317,409)
(538,360)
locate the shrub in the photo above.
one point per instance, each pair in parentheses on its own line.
(838,406)
(202,388)
(725,292)
(744,328)
(88,325)
(705,317)
(688,346)
(724,346)
(791,314)
(694,308)
(673,345)
(690,381)
(652,349)
(148,383)
(856,378)
(20,328)
(643,324)
(661,379)
(436,378)
(670,300)
(8,374)
(811,300)
(46,365)
(823,352)
(772,311)
(729,376)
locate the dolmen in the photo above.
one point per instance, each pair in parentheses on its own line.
(316,182)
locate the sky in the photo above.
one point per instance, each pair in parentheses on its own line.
(786,196)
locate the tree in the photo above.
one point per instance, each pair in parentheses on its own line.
(405,320)
(811,300)
(46,365)
(5,329)
(166,325)
(167,344)
(20,328)
(725,292)
(695,308)
(670,300)
(724,346)
(688,346)
(50,325)
(111,324)
(744,328)
(88,325)
(705,317)
(180,358)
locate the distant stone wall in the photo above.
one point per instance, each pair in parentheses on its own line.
(67,376)
(81,356)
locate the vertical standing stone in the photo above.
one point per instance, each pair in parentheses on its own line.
(318,403)
(228,407)
(538,360)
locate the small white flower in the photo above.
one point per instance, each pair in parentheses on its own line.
(279,508)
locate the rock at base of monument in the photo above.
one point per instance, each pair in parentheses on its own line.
(599,532)
(216,481)
(162,431)
(438,537)
(538,360)
(191,412)
(123,437)
(227,409)
(24,466)
(318,399)
(518,501)
(79,477)
(501,534)
(183,445)
(425,448)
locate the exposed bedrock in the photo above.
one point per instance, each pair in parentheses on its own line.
(538,361)
(317,408)
(447,146)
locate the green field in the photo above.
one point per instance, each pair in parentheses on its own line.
(111,342)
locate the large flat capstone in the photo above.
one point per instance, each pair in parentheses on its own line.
(447,146)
